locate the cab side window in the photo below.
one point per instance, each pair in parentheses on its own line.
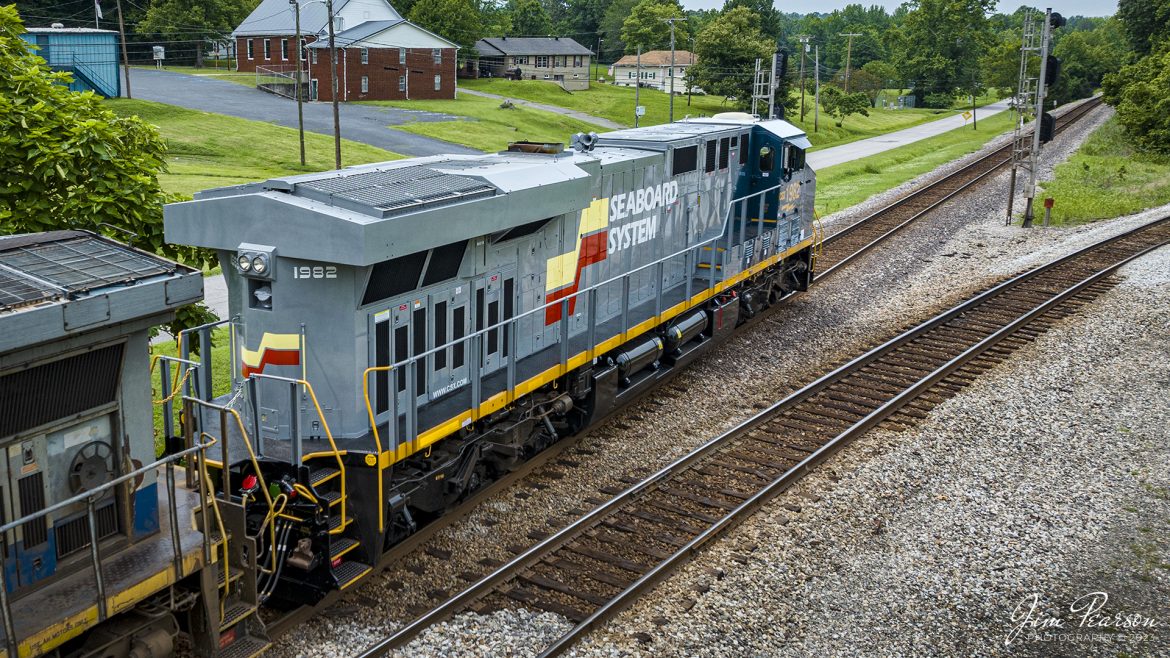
(767,158)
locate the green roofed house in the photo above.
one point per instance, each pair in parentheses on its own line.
(91,55)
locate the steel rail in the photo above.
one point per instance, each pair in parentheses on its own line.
(289,620)
(529,557)
(1068,118)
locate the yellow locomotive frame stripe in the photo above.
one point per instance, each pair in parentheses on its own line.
(502,399)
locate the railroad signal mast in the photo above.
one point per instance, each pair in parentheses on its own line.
(1029,103)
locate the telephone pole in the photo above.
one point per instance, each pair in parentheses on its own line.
(672,22)
(333,75)
(125,57)
(637,83)
(689,81)
(817,93)
(300,104)
(804,39)
(848,54)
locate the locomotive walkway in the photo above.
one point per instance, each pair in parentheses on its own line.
(361,123)
(866,147)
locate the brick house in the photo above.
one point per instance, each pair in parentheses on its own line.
(556,59)
(656,71)
(384,60)
(374,46)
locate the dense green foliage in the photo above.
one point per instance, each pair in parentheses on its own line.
(457,20)
(648,26)
(727,50)
(192,20)
(70,163)
(1141,89)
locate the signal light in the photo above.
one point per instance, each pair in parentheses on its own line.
(1047,128)
(1055,20)
(1051,70)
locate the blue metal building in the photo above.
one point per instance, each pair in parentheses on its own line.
(90,55)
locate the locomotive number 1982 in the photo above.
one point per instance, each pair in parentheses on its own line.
(315,272)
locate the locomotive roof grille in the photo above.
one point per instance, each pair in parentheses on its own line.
(66,263)
(394,191)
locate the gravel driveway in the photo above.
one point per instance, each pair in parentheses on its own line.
(360,123)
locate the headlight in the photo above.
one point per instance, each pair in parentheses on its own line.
(260,264)
(243,262)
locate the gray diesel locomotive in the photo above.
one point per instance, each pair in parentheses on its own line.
(404,332)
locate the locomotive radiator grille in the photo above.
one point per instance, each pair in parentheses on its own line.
(32,499)
(73,535)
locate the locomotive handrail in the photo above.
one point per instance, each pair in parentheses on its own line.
(88,498)
(297,437)
(475,337)
(377,436)
(223,411)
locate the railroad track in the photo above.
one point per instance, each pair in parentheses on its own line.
(563,454)
(606,559)
(861,236)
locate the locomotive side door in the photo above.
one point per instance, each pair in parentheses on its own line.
(449,323)
(488,312)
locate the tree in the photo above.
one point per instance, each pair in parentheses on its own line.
(647,26)
(70,163)
(529,18)
(938,44)
(1146,23)
(840,105)
(611,28)
(1140,92)
(727,50)
(457,20)
(195,20)
(863,82)
(772,22)
(1086,57)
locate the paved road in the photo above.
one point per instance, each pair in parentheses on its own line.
(874,145)
(360,123)
(580,116)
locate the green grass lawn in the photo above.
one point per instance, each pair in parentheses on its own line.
(851,183)
(220,373)
(212,150)
(617,104)
(1106,178)
(487,127)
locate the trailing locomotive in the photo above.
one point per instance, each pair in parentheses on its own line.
(400,334)
(408,331)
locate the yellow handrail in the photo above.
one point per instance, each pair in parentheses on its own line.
(210,493)
(377,438)
(336,452)
(251,456)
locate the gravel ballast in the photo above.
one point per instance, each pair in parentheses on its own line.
(963,248)
(1044,481)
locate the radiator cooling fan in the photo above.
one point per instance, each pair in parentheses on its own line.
(92,466)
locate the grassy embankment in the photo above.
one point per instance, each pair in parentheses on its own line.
(212,150)
(617,104)
(486,125)
(1107,177)
(850,183)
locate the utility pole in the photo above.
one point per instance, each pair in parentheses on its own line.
(804,39)
(817,92)
(333,76)
(848,55)
(637,83)
(672,22)
(689,79)
(300,104)
(125,57)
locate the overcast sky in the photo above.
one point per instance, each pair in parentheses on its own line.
(1066,7)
